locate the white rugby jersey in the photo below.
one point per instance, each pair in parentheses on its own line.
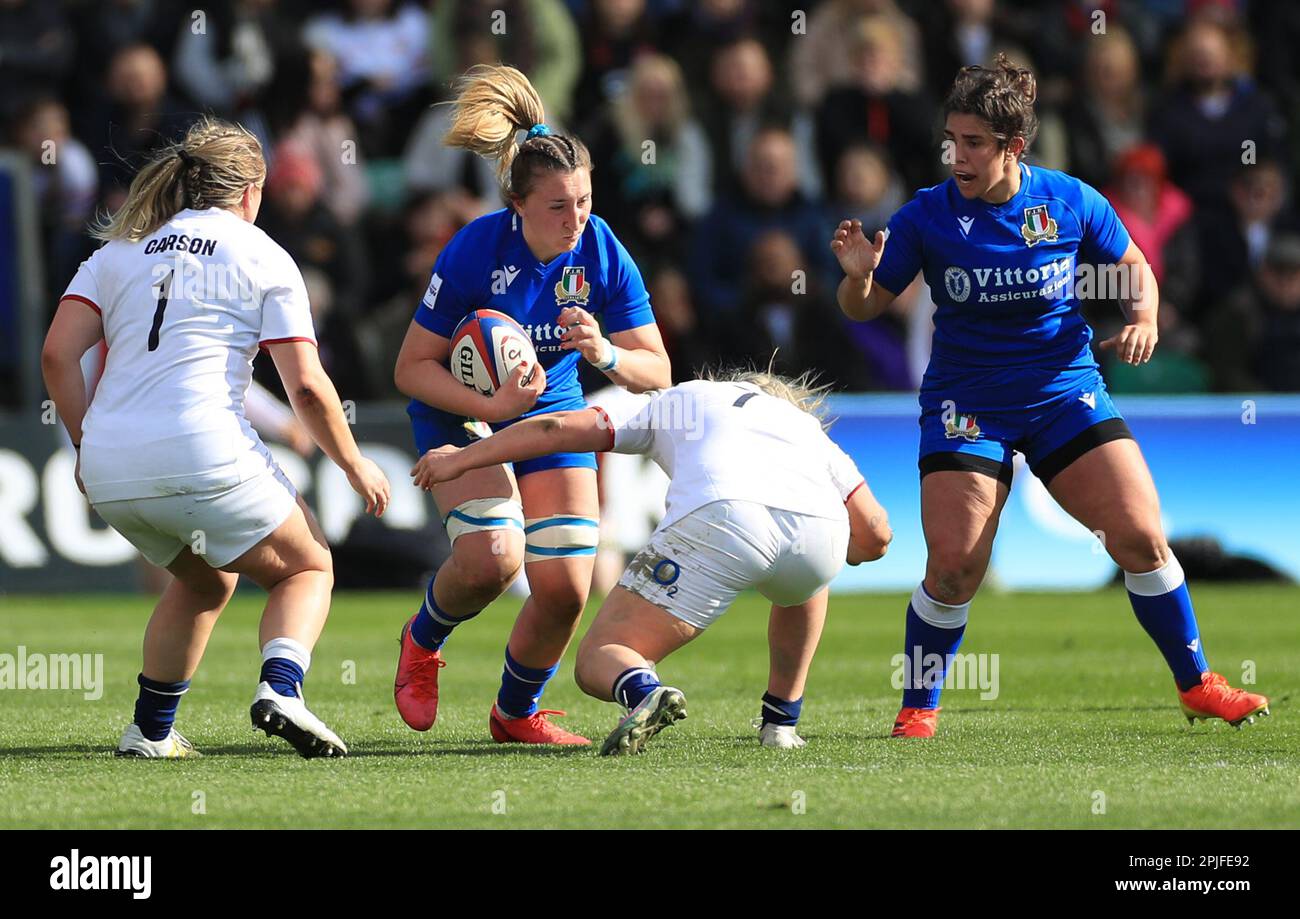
(734,442)
(184,311)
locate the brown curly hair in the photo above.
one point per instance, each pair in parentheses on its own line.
(1002,95)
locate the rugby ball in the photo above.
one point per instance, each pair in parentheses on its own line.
(486,347)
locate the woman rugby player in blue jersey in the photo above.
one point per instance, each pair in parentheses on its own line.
(1011,369)
(550,264)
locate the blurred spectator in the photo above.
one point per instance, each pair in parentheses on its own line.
(539,37)
(381,49)
(825,57)
(741,99)
(688,350)
(135,116)
(960,33)
(1158,216)
(65,183)
(340,354)
(1235,243)
(1214,118)
(866,188)
(788,318)
(1254,339)
(873,106)
(1108,113)
(226,65)
(308,115)
(769,199)
(653,179)
(404,265)
(693,34)
(294,215)
(36,52)
(613,33)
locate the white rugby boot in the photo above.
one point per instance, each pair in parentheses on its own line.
(173,746)
(656,711)
(287,717)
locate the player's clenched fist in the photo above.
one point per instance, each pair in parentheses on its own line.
(857,256)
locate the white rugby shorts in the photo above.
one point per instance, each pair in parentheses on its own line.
(224,524)
(693,568)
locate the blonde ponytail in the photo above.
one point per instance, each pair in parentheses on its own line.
(211,167)
(492,103)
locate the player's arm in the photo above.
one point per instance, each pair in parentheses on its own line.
(581,431)
(75,330)
(858,296)
(422,373)
(869,531)
(316,403)
(634,358)
(1136,342)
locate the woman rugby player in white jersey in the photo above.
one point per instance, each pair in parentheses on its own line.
(183,293)
(760,498)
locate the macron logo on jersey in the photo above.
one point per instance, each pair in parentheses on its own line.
(965,223)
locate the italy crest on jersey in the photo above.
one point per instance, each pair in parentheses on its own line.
(1038,225)
(572,286)
(961,425)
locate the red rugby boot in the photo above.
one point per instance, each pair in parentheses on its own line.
(1214,698)
(533,729)
(415,688)
(916,722)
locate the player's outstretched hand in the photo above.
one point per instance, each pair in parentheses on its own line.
(582,334)
(369,481)
(857,256)
(437,465)
(519,393)
(1134,344)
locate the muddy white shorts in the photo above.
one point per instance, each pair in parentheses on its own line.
(693,568)
(218,526)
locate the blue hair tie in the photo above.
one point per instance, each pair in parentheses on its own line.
(538,130)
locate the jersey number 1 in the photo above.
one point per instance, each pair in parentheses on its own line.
(164,288)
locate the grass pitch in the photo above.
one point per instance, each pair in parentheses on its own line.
(1085,730)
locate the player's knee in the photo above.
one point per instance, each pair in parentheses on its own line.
(559,599)
(953,577)
(487,543)
(1139,551)
(486,573)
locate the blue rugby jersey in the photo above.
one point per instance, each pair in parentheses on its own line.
(1002,275)
(488,265)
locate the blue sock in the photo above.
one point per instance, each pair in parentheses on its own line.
(285,663)
(431,625)
(633,685)
(522,686)
(155,707)
(779,711)
(1164,608)
(933,635)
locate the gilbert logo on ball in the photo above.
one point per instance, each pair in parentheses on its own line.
(486,347)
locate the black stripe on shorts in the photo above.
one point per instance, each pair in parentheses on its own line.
(952,461)
(1100,433)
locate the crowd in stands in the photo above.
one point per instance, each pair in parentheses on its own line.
(729,138)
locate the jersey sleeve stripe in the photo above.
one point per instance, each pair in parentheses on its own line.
(855,491)
(280,341)
(80,299)
(609,426)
